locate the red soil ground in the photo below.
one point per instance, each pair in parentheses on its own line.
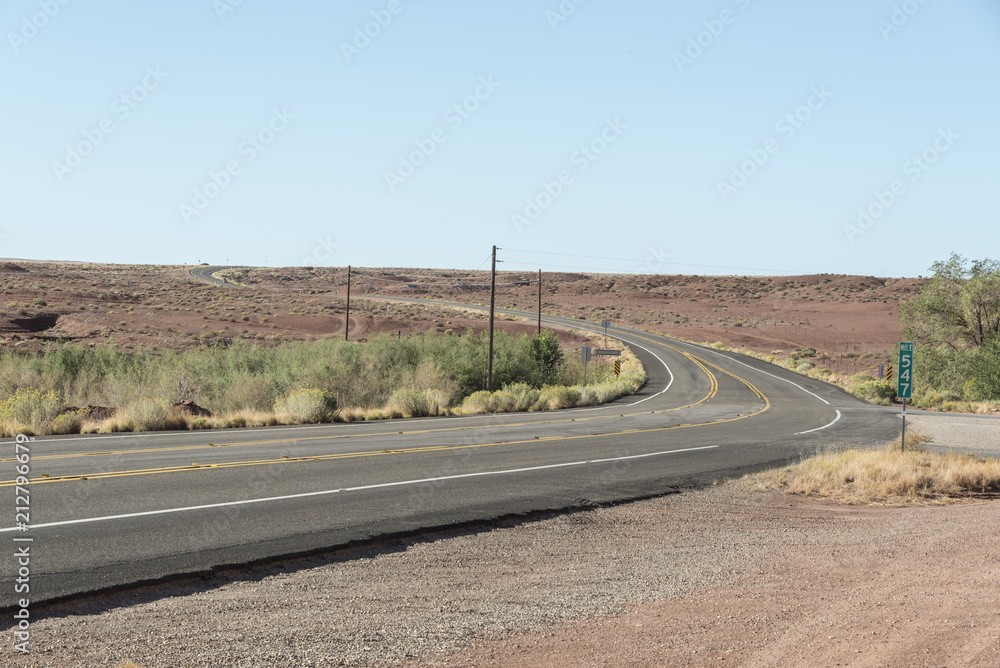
(852,319)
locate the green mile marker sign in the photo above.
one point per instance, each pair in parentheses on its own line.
(904,382)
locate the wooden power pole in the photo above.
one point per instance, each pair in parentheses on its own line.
(493,298)
(539,302)
(347,317)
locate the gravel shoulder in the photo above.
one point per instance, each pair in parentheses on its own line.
(976,434)
(718,576)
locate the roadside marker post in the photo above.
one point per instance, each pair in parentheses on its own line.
(585,356)
(618,368)
(904,384)
(888,372)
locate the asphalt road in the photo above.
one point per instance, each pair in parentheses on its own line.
(112,510)
(204,273)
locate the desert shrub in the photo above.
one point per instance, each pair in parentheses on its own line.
(804,367)
(478,402)
(613,390)
(68,423)
(503,402)
(409,402)
(307,406)
(146,415)
(29,405)
(588,397)
(560,396)
(252,380)
(930,399)
(438,401)
(525,396)
(876,391)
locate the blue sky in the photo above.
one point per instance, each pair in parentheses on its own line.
(733,136)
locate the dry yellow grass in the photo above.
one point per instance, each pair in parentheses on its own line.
(885,476)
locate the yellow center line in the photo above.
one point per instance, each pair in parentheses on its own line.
(372,453)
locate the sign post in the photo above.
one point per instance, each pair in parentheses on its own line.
(606,323)
(585,356)
(904,382)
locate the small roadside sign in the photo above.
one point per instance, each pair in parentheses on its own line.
(607,351)
(585,354)
(888,372)
(904,384)
(618,367)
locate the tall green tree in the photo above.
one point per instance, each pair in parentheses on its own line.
(547,357)
(959,308)
(955,320)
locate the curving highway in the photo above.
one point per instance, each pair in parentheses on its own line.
(204,273)
(114,510)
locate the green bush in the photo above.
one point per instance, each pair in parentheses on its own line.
(29,407)
(478,402)
(876,391)
(68,423)
(931,399)
(588,397)
(147,415)
(308,406)
(410,402)
(525,396)
(560,396)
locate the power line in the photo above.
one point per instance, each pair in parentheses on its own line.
(564,266)
(621,259)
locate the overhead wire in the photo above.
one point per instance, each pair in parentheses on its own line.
(620,259)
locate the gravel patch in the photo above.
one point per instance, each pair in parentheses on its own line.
(488,597)
(979,434)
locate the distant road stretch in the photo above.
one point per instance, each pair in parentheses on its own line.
(205,274)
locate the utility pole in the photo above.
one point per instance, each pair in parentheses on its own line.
(493,297)
(347,317)
(539,302)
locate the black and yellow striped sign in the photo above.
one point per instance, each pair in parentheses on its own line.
(618,367)
(888,372)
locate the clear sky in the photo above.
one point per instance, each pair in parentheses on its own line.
(731,136)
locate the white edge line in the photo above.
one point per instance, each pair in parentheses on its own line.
(634,403)
(353,489)
(835,420)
